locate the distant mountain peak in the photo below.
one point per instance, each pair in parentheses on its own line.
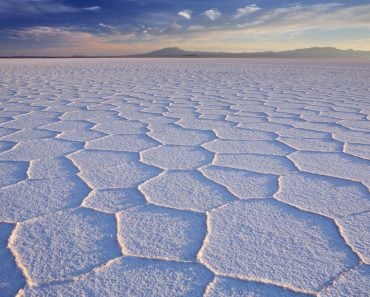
(312,52)
(168,51)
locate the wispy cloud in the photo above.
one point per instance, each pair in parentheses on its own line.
(92,8)
(273,29)
(194,28)
(249,9)
(53,35)
(106,26)
(9,8)
(322,17)
(213,14)
(186,14)
(71,41)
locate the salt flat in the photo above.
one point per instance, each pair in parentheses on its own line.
(184,177)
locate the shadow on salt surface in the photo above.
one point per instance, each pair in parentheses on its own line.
(38,149)
(129,276)
(34,197)
(11,278)
(7,131)
(29,134)
(12,172)
(29,122)
(6,145)
(5,119)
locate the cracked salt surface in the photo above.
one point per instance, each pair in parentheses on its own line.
(184,178)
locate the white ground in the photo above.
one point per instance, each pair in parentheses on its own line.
(184,178)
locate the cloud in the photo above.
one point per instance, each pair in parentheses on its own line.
(196,28)
(54,35)
(10,8)
(186,14)
(322,17)
(310,25)
(213,14)
(92,8)
(45,40)
(106,26)
(249,9)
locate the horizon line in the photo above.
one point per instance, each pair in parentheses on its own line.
(192,54)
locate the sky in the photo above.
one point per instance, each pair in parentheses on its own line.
(118,27)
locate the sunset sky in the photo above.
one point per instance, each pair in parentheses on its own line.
(97,27)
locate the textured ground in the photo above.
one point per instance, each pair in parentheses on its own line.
(184,178)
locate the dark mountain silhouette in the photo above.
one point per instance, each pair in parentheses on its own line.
(313,52)
(168,52)
(175,52)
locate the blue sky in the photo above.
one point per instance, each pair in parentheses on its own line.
(97,27)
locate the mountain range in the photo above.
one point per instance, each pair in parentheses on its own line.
(175,52)
(313,52)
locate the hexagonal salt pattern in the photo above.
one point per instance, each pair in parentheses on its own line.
(180,136)
(11,278)
(35,197)
(65,244)
(355,282)
(12,172)
(356,229)
(157,232)
(134,277)
(242,183)
(34,150)
(185,190)
(112,169)
(129,143)
(184,178)
(228,287)
(114,200)
(270,241)
(177,157)
(327,195)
